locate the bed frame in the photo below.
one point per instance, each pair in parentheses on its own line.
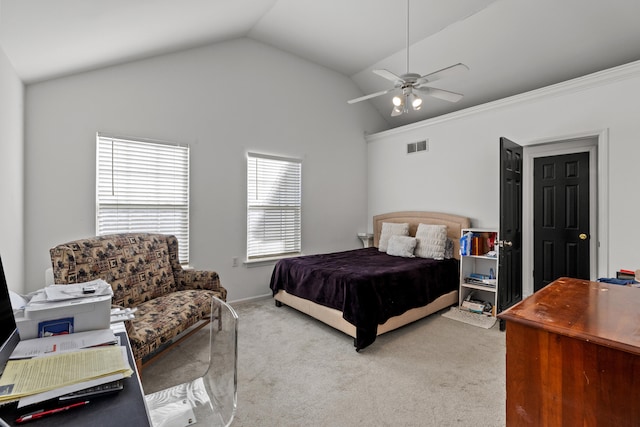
(333,317)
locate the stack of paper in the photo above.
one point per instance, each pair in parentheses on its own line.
(42,378)
(90,289)
(57,344)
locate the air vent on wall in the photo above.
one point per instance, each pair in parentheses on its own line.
(415,147)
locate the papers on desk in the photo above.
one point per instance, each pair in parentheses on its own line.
(57,392)
(17,301)
(29,377)
(54,293)
(58,344)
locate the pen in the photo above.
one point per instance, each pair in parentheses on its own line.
(36,415)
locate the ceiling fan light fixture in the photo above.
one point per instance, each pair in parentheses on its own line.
(396,111)
(397,101)
(416,101)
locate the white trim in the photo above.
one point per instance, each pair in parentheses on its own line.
(259,262)
(589,81)
(241,301)
(272,157)
(596,143)
(107,135)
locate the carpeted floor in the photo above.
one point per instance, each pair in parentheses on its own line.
(296,371)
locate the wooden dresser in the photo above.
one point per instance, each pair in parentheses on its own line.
(573,356)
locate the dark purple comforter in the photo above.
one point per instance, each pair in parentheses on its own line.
(367,285)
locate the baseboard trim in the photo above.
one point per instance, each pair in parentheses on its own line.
(250,299)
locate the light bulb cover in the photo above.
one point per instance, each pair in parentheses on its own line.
(397,101)
(414,100)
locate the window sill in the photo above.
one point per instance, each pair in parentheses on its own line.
(267,261)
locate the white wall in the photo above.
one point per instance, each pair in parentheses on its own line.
(460,173)
(11,174)
(224,100)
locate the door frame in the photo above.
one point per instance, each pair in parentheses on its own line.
(596,143)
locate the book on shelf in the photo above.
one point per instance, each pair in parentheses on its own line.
(489,283)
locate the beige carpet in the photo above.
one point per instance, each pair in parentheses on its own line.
(296,371)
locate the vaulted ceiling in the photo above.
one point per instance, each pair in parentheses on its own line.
(510,46)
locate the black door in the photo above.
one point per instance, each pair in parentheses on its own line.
(560,218)
(510,250)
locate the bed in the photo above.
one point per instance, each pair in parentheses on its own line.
(365,292)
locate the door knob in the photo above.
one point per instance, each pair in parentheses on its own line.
(503,243)
(582,236)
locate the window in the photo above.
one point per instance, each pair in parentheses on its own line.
(273,206)
(143,186)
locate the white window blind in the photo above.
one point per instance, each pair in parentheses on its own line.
(274,200)
(143,186)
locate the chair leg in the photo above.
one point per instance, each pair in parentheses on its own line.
(139,367)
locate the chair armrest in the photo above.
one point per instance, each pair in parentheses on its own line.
(200,279)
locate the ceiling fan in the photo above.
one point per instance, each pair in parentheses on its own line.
(409,83)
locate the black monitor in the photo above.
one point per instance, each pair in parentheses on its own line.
(9,337)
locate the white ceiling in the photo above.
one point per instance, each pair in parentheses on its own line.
(510,46)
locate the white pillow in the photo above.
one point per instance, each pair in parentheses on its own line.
(432,240)
(401,246)
(391,229)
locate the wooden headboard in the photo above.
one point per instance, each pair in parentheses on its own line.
(454,223)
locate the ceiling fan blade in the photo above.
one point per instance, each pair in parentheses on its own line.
(441,94)
(388,75)
(445,72)
(372,95)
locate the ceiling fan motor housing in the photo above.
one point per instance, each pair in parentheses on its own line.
(408,79)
